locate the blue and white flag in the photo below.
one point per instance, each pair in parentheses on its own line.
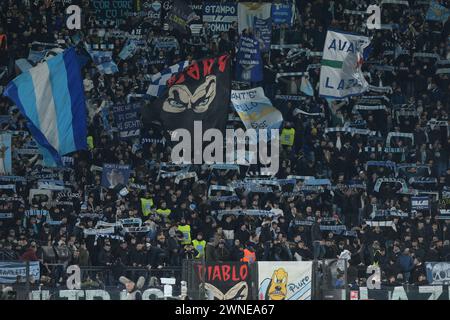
(5,154)
(343,55)
(103,60)
(128,49)
(306,87)
(263,32)
(115,174)
(437,12)
(51,184)
(247,11)
(249,66)
(23,65)
(255,109)
(158,82)
(9,271)
(282,13)
(51,97)
(39,50)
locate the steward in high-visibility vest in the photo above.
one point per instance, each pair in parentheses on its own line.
(146,206)
(185,229)
(90,142)
(249,256)
(163,211)
(287,137)
(199,245)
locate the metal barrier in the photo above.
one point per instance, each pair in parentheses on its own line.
(329,282)
(93,278)
(405,292)
(109,276)
(332,278)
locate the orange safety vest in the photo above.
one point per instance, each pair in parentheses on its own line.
(249,256)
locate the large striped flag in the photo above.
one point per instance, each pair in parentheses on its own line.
(158,81)
(51,98)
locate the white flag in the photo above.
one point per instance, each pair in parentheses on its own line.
(340,73)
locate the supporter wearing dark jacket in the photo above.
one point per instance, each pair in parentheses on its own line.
(210,251)
(301,252)
(221,252)
(317,239)
(123,253)
(242,234)
(236,252)
(138,258)
(105,257)
(417,271)
(393,268)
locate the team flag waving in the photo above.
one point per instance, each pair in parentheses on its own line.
(437,12)
(158,82)
(51,97)
(103,60)
(340,73)
(255,109)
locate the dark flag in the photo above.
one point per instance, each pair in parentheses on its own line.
(200,93)
(180,16)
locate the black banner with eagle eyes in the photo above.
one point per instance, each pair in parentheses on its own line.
(200,93)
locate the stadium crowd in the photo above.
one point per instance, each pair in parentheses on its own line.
(179,215)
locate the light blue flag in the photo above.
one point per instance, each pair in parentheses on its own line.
(23,65)
(306,87)
(128,50)
(47,158)
(436,12)
(51,97)
(256,110)
(103,60)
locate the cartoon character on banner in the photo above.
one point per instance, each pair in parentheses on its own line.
(275,288)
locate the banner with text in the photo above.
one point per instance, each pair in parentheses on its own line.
(127,119)
(263,32)
(224,281)
(283,13)
(249,62)
(220,16)
(9,271)
(112,10)
(340,73)
(255,109)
